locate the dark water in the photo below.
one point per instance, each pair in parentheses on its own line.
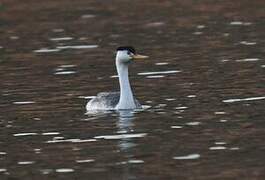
(203,88)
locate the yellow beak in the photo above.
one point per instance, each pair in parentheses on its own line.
(138,56)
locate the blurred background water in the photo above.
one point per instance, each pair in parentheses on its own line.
(203,89)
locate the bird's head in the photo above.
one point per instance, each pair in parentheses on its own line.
(126,54)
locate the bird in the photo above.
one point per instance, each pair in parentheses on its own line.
(124,99)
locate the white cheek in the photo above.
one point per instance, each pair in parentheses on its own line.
(123,56)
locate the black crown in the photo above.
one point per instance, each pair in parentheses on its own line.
(128,48)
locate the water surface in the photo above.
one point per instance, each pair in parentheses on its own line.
(202,89)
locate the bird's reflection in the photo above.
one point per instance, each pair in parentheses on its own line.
(125,125)
(125,122)
(125,128)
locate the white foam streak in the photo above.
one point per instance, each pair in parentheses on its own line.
(220,143)
(176,127)
(135,161)
(3,170)
(78,47)
(65,72)
(87,97)
(247,60)
(159,72)
(239,23)
(161,63)
(25,134)
(114,76)
(67,66)
(217,148)
(72,141)
(195,123)
(23,102)
(121,136)
(181,107)
(248,43)
(243,99)
(25,162)
(50,133)
(61,39)
(44,50)
(85,161)
(154,77)
(188,157)
(64,170)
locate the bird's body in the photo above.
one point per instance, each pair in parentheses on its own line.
(123,99)
(107,101)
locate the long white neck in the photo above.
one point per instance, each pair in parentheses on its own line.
(126,96)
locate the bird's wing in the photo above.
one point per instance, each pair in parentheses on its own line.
(107,94)
(107,100)
(110,99)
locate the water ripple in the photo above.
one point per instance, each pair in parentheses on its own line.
(217,148)
(181,107)
(78,47)
(25,162)
(50,133)
(239,23)
(58,30)
(135,161)
(154,77)
(65,72)
(24,102)
(3,170)
(247,60)
(46,50)
(220,143)
(247,43)
(71,140)
(87,16)
(121,136)
(85,161)
(64,170)
(159,72)
(176,127)
(219,112)
(187,157)
(223,120)
(201,26)
(243,99)
(25,134)
(161,63)
(195,123)
(67,66)
(61,39)
(191,96)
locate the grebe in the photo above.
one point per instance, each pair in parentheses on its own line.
(123,99)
